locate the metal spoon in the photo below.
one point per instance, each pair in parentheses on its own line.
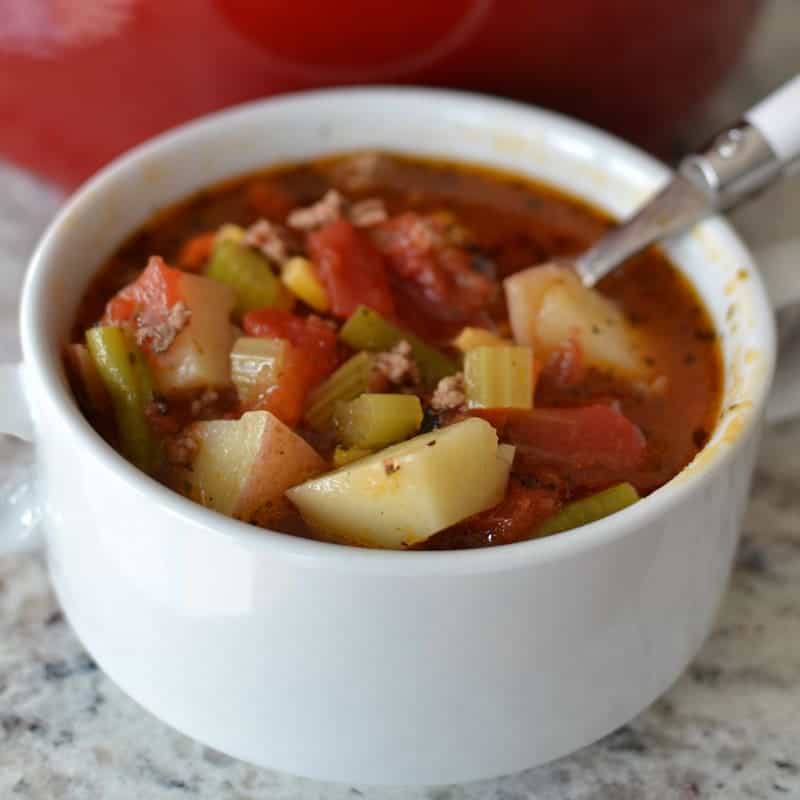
(741,161)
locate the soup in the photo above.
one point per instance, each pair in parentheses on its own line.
(366,349)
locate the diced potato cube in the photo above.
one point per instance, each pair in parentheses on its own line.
(548,305)
(199,356)
(404,494)
(242,467)
(524,293)
(599,327)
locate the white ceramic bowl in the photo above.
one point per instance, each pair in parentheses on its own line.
(367,666)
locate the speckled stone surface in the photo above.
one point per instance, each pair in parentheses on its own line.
(729,728)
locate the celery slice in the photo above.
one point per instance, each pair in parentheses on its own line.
(347,383)
(85,378)
(368,330)
(499,377)
(126,377)
(589,509)
(372,421)
(249,274)
(256,366)
(347,455)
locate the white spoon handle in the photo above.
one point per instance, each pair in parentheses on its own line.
(740,162)
(777,117)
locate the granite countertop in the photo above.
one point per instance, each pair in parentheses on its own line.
(729,728)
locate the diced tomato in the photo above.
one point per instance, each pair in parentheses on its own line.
(156,289)
(269,199)
(419,251)
(282,324)
(536,372)
(596,436)
(312,336)
(287,398)
(274,322)
(195,253)
(351,269)
(310,358)
(162,420)
(518,516)
(411,314)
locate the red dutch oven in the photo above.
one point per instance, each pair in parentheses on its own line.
(82,80)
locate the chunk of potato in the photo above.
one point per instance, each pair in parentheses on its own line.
(199,356)
(404,494)
(242,467)
(548,305)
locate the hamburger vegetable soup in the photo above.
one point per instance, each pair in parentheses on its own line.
(362,349)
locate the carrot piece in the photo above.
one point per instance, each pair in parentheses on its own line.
(194,254)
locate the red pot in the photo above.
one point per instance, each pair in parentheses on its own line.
(82,80)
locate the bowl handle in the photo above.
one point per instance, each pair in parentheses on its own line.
(780,266)
(20,507)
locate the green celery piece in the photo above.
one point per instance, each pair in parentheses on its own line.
(589,509)
(372,421)
(368,330)
(256,366)
(249,274)
(499,377)
(126,376)
(343,456)
(347,383)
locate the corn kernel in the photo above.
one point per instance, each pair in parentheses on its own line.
(300,276)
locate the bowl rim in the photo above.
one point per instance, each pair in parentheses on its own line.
(270,543)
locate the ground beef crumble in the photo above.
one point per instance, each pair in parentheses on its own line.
(204,402)
(333,206)
(398,366)
(369,212)
(362,171)
(324,211)
(180,449)
(450,394)
(270,238)
(158,331)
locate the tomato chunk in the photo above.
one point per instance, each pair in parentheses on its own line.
(195,253)
(419,251)
(156,290)
(310,358)
(311,335)
(286,399)
(517,517)
(596,436)
(267,198)
(351,269)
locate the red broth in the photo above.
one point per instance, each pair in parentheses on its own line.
(500,223)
